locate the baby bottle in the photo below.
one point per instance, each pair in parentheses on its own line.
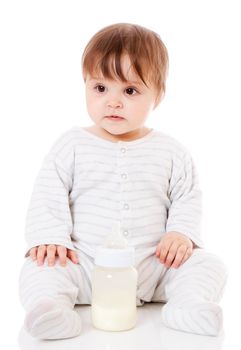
(114,284)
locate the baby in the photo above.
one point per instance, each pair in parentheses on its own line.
(118,169)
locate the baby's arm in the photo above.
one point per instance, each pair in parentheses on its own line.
(51,251)
(49,219)
(184,214)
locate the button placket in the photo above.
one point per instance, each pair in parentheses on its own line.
(123,172)
(123,177)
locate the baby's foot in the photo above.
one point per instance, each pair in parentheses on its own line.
(51,320)
(203,318)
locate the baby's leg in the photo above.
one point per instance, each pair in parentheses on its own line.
(48,295)
(192,292)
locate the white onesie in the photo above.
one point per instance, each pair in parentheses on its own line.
(87,183)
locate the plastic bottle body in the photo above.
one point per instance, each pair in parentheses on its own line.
(114,298)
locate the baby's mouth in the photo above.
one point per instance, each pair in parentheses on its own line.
(114,117)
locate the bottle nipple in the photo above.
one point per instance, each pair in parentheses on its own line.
(115,239)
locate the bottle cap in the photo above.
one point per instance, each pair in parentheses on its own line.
(115,257)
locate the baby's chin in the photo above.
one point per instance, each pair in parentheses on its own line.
(117,132)
(126,135)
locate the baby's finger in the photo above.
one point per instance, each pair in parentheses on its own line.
(164,250)
(33,253)
(181,251)
(62,253)
(51,252)
(158,248)
(187,255)
(41,251)
(171,254)
(73,256)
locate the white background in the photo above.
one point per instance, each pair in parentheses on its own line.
(42,95)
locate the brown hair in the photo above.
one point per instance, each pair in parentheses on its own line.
(147,53)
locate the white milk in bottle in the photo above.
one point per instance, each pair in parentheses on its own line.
(114,284)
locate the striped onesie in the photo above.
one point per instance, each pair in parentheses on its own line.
(150,185)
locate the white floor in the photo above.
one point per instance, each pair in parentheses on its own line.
(149,334)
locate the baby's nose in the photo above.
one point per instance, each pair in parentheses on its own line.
(115,103)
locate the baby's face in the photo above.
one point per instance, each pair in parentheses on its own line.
(119,107)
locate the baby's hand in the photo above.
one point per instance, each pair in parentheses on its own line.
(174,249)
(51,251)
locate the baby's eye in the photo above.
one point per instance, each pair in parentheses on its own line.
(100,88)
(131,91)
